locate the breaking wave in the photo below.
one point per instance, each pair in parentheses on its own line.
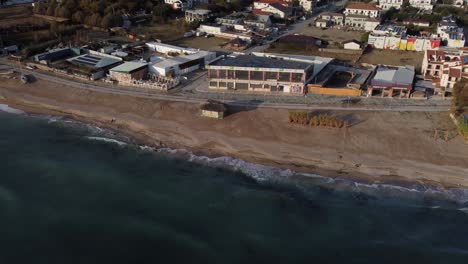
(11,110)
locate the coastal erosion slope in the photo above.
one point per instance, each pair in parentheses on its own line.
(380,147)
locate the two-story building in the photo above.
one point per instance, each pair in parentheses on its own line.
(277,8)
(444,68)
(387,4)
(364,9)
(422,4)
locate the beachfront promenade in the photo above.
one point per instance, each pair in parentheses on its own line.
(191,93)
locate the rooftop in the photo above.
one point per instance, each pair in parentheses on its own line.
(198,11)
(128,67)
(394,75)
(261,62)
(94,61)
(362,6)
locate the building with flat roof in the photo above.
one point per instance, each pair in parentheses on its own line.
(391,81)
(95,65)
(201,15)
(260,73)
(180,60)
(129,71)
(55,54)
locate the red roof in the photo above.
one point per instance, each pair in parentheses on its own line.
(281,7)
(272,2)
(362,6)
(259,12)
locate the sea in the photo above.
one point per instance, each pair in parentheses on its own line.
(75,193)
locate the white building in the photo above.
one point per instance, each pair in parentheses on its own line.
(387,4)
(212,28)
(363,9)
(197,15)
(352,45)
(307,5)
(449,31)
(180,4)
(422,4)
(277,8)
(180,61)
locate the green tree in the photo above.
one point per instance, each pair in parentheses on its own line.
(460,96)
(365,37)
(78,17)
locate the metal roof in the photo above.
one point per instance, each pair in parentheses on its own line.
(128,67)
(261,62)
(93,61)
(394,75)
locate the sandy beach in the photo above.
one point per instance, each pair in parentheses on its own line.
(379,147)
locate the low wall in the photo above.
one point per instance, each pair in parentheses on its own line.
(342,51)
(334,91)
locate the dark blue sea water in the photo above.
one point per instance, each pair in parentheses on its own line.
(67,197)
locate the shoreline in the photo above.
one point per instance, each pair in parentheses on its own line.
(138,139)
(258,137)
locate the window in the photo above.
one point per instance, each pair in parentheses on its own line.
(242,75)
(213,73)
(284,76)
(296,77)
(271,76)
(230,74)
(213,84)
(256,75)
(222,74)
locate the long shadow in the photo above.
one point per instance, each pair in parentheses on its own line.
(242,106)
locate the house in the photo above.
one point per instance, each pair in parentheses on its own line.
(387,4)
(128,72)
(213,109)
(416,22)
(212,28)
(422,4)
(322,23)
(277,8)
(339,80)
(391,81)
(364,9)
(307,5)
(179,4)
(450,32)
(352,45)
(361,22)
(332,18)
(261,74)
(444,68)
(200,15)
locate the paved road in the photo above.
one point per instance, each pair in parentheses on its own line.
(246,103)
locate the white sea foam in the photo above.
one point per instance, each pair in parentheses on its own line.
(108,140)
(11,110)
